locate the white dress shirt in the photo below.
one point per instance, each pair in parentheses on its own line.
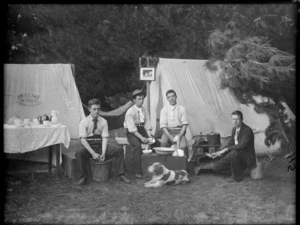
(173,116)
(136,115)
(86,126)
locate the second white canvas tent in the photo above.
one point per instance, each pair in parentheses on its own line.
(208,106)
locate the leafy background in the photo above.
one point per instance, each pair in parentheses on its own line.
(104,42)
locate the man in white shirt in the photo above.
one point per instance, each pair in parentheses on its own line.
(138,127)
(173,122)
(93,133)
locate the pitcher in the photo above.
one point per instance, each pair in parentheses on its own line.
(53,117)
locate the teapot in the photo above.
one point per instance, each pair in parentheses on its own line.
(42,118)
(53,117)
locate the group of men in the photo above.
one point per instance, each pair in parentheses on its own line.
(238,155)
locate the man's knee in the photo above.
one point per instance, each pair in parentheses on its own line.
(80,152)
(233,153)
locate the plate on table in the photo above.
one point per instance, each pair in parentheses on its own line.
(164,150)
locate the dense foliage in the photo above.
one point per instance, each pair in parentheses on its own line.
(104,42)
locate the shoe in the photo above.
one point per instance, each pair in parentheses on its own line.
(124,179)
(81,181)
(138,175)
(231,180)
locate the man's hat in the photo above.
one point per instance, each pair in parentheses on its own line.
(138,92)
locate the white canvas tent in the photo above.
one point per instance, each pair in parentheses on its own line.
(208,107)
(31,90)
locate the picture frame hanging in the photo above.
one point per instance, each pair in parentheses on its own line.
(147,73)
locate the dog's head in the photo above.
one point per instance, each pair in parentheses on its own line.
(157,169)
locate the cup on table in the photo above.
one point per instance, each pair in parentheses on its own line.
(26,121)
(36,121)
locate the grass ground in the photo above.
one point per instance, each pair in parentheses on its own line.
(208,198)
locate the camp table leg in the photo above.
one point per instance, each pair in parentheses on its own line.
(58,168)
(50,158)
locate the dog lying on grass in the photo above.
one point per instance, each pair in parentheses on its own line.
(162,175)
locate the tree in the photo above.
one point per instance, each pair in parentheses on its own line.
(259,74)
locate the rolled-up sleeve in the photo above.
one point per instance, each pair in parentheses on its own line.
(183,117)
(129,121)
(82,129)
(105,133)
(163,120)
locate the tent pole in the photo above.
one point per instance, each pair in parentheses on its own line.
(148,96)
(148,89)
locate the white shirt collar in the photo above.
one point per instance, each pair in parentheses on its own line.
(137,108)
(172,107)
(98,118)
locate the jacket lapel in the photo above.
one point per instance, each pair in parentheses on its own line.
(241,130)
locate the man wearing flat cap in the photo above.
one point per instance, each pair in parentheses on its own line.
(138,127)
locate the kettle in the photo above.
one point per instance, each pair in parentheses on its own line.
(53,117)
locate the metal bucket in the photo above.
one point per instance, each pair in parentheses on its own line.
(100,170)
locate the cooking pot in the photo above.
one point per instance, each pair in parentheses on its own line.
(213,139)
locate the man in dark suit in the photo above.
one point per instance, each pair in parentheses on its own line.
(239,153)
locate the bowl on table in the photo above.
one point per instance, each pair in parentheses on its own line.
(46,123)
(164,150)
(147,151)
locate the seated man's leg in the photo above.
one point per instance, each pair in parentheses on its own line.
(82,161)
(223,165)
(137,152)
(116,151)
(165,141)
(238,164)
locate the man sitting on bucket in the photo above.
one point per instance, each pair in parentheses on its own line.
(239,153)
(173,122)
(93,133)
(138,127)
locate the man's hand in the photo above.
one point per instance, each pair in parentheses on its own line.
(95,155)
(219,153)
(102,157)
(144,140)
(172,138)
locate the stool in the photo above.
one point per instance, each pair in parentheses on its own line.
(124,142)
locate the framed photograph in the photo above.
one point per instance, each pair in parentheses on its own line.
(147,73)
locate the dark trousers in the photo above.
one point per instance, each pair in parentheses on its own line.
(234,163)
(137,148)
(112,151)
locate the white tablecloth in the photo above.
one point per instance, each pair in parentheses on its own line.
(30,138)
